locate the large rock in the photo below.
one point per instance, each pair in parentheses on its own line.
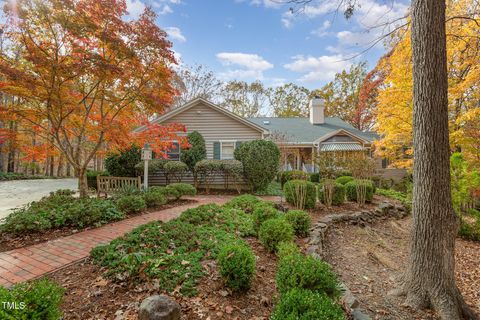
(159,307)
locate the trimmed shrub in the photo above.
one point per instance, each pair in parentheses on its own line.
(175,170)
(154,199)
(306,305)
(351,190)
(315,177)
(131,204)
(123,163)
(306,272)
(300,221)
(338,197)
(178,190)
(233,170)
(154,166)
(88,212)
(260,159)
(236,263)
(287,249)
(293,175)
(245,202)
(344,179)
(41,298)
(261,213)
(274,231)
(207,169)
(196,152)
(342,173)
(203,214)
(300,193)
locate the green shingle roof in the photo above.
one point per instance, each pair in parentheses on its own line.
(300,130)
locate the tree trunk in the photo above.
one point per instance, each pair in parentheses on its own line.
(430,279)
(82,182)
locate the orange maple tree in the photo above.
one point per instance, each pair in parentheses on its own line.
(84,77)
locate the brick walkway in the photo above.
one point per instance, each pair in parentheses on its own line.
(34,261)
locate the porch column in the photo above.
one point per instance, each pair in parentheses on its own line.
(313,158)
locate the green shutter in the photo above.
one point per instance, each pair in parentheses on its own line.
(237,144)
(216,150)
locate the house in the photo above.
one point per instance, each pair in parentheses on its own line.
(299,138)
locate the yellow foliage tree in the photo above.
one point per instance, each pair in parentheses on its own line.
(394,110)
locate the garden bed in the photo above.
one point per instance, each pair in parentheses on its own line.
(8,242)
(88,295)
(370,259)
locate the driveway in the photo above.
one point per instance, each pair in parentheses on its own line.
(19,192)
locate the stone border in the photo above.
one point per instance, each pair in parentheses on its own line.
(316,244)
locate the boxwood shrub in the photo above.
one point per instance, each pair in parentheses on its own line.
(178,190)
(344,179)
(306,305)
(262,212)
(153,198)
(300,221)
(351,190)
(274,231)
(315,177)
(42,300)
(286,249)
(300,191)
(131,204)
(293,175)
(306,272)
(339,193)
(175,170)
(236,263)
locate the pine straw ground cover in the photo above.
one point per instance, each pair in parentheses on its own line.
(370,260)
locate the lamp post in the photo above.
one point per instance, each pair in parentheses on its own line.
(146,156)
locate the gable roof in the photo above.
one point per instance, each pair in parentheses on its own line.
(300,130)
(195,102)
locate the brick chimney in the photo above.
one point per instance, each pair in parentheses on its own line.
(317,111)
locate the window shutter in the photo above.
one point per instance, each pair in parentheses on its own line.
(237,144)
(216,150)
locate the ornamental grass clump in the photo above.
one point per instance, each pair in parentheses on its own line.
(274,231)
(236,263)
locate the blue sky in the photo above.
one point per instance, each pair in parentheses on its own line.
(262,40)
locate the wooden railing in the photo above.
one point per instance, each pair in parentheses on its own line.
(107,184)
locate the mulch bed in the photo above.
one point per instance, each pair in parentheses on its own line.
(371,259)
(8,242)
(91,296)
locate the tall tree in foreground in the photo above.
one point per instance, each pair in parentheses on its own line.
(430,278)
(85,78)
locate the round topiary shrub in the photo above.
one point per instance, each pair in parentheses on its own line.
(274,231)
(260,159)
(293,175)
(131,203)
(245,202)
(262,212)
(306,272)
(178,190)
(351,190)
(300,221)
(286,249)
(300,193)
(236,263)
(306,305)
(339,192)
(154,199)
(344,179)
(175,170)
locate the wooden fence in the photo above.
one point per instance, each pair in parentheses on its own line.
(107,184)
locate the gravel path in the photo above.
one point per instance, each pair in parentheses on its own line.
(19,192)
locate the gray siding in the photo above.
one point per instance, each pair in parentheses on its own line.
(214,126)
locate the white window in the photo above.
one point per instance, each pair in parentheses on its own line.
(227,148)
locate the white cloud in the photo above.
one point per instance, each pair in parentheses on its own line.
(287,19)
(165,10)
(251,65)
(175,33)
(316,69)
(322,31)
(135,8)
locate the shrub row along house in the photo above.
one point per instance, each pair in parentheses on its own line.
(300,139)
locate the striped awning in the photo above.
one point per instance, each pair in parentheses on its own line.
(325,147)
